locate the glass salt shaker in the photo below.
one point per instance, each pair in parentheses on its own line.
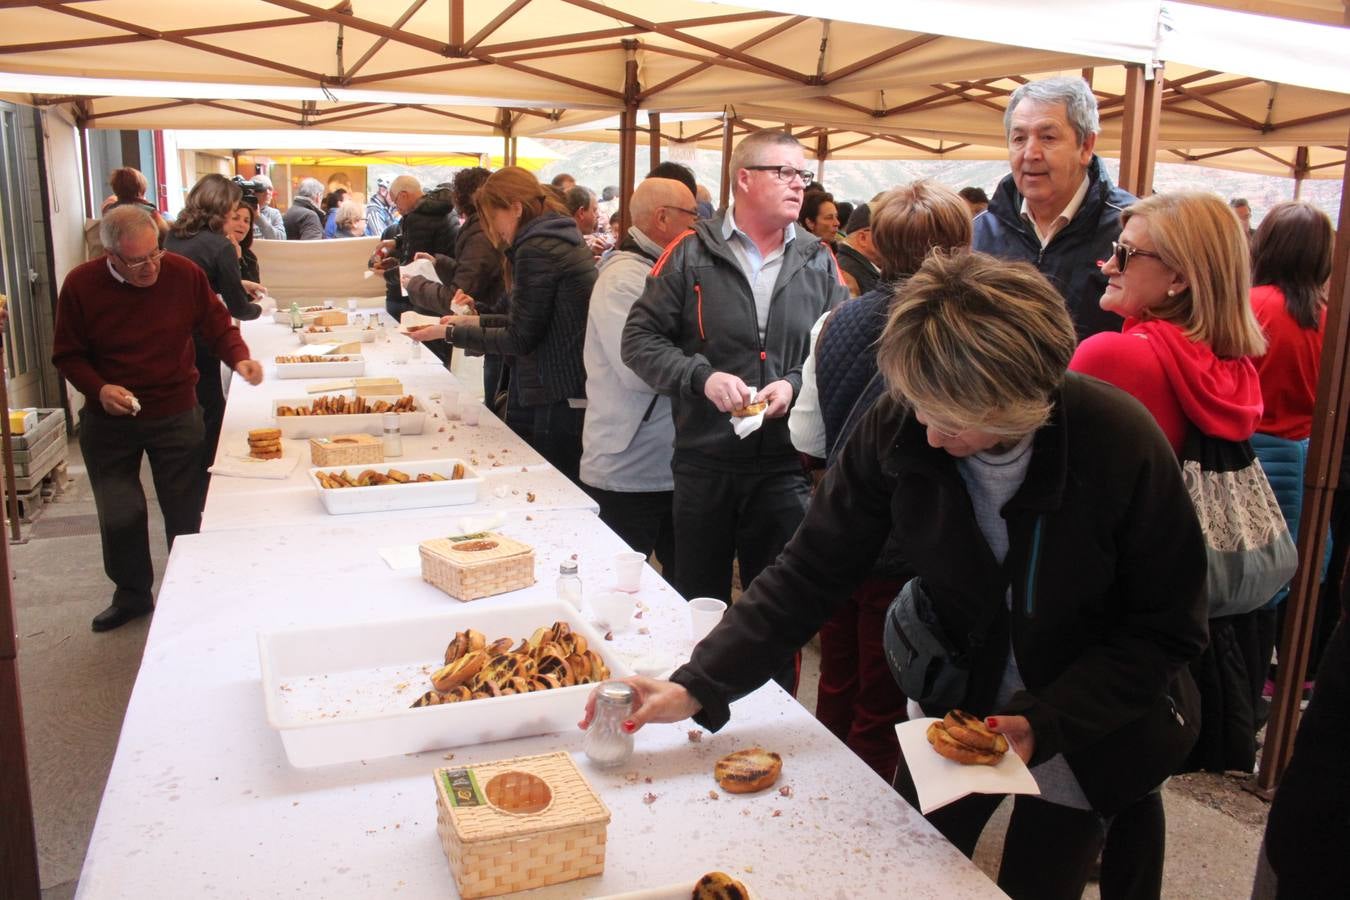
(606,743)
(393,437)
(569,584)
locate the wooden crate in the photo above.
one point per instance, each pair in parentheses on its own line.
(470,566)
(518,824)
(346,450)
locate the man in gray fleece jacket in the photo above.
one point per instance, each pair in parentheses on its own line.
(730,307)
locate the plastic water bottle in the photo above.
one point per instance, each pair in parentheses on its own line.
(569,584)
(296,320)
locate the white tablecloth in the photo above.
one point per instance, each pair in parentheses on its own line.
(202,802)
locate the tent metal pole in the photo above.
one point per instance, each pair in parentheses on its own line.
(654,137)
(628,134)
(1131,128)
(1148,139)
(18,834)
(1320,479)
(724,192)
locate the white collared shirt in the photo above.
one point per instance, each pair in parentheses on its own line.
(760,270)
(1064,218)
(113,269)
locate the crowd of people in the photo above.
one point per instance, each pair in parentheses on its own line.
(961,412)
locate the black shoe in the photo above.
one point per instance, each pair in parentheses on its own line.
(117,616)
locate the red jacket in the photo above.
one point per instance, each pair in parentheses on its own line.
(1290,368)
(110,332)
(1179,380)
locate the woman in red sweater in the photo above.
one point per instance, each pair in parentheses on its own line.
(1291,262)
(1179,276)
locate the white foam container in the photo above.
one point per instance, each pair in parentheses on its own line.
(303,427)
(355,365)
(338,335)
(384,497)
(292,658)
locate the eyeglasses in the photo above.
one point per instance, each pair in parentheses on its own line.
(785,174)
(927,422)
(688,212)
(136,265)
(1122,253)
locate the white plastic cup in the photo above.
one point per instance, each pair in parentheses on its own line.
(628,571)
(450,403)
(704,614)
(468,413)
(351,306)
(613,609)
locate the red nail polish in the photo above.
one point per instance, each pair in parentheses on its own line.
(630,725)
(991,722)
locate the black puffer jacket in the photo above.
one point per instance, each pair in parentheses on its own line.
(1070,259)
(426,228)
(1105,563)
(697,316)
(553,273)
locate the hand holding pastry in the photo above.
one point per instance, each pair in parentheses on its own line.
(726,392)
(117,400)
(778,394)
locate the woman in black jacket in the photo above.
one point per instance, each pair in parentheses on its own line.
(549,274)
(1046,521)
(198,234)
(239,229)
(474,273)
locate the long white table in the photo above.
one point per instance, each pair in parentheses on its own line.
(201,800)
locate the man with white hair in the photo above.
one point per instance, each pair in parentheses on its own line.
(303,220)
(1058,209)
(380,212)
(628,432)
(729,307)
(124,328)
(267,224)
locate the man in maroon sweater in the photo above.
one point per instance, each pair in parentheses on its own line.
(124,325)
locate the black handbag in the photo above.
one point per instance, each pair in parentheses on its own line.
(929,668)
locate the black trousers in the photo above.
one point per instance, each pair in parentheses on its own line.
(721,516)
(112,448)
(211,399)
(1049,849)
(555,431)
(644,520)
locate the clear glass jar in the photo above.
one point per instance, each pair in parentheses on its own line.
(569,584)
(606,743)
(393,436)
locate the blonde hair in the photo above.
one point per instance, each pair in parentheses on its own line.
(1197,235)
(978,343)
(910,221)
(350,211)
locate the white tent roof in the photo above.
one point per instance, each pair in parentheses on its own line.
(931,74)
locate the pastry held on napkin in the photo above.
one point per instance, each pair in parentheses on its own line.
(940,781)
(748,419)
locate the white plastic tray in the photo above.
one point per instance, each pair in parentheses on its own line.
(302,427)
(356,365)
(343,693)
(338,335)
(381,498)
(681,891)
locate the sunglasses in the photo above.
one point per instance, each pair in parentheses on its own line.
(1121,253)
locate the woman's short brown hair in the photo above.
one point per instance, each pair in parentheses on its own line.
(977,343)
(909,222)
(515,185)
(127,184)
(1198,236)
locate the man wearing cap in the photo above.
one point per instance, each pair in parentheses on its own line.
(859,261)
(379,211)
(267,224)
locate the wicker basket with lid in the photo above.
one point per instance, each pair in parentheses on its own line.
(518,824)
(346,450)
(470,566)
